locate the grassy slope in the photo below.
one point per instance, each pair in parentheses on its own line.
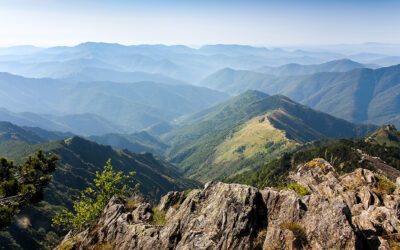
(225,139)
(387,136)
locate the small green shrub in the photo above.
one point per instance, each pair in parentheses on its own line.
(92,201)
(158,217)
(299,189)
(384,185)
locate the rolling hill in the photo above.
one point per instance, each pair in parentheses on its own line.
(361,95)
(246,130)
(80,159)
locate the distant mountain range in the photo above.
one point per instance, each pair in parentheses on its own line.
(91,74)
(81,124)
(178,62)
(140,142)
(115,107)
(292,69)
(360,95)
(249,129)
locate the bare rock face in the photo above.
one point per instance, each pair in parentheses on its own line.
(359,210)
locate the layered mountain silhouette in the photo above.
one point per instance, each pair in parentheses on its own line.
(123,107)
(342,65)
(360,95)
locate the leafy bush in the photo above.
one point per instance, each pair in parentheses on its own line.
(92,201)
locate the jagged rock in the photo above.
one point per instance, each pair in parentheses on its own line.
(341,212)
(142,213)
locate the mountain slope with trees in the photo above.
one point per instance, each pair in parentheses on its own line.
(246,130)
(361,95)
(79,161)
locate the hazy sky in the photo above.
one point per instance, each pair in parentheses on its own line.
(195,22)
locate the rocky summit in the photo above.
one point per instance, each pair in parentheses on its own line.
(318,209)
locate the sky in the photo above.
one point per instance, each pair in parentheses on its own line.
(197,22)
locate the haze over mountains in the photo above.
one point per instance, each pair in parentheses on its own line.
(181,116)
(342,65)
(179,62)
(358,95)
(115,106)
(125,89)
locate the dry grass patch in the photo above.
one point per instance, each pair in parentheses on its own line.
(252,138)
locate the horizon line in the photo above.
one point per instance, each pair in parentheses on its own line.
(196,46)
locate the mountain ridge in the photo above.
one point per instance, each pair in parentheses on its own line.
(196,146)
(340,65)
(360,95)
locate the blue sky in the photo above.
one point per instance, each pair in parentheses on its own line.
(196,22)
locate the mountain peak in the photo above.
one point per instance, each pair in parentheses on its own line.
(77,141)
(253,93)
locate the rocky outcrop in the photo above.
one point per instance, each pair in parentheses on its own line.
(359,210)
